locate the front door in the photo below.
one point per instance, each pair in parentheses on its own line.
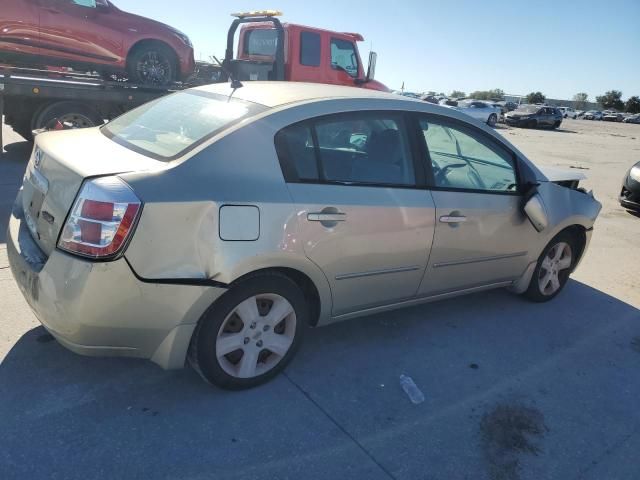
(79,31)
(481,235)
(362,216)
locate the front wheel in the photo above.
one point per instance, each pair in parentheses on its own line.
(152,64)
(553,269)
(493,119)
(251,333)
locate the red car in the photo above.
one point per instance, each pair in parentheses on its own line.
(93,35)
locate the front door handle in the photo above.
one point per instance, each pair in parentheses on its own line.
(326,217)
(453,218)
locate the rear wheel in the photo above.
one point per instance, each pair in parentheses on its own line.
(553,268)
(152,64)
(493,119)
(60,115)
(251,333)
(555,125)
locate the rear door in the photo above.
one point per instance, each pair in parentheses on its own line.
(364,216)
(80,31)
(481,235)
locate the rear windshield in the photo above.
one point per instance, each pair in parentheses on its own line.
(261,41)
(528,108)
(170,126)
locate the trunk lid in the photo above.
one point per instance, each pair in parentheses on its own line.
(59,163)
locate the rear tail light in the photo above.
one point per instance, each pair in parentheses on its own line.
(101,219)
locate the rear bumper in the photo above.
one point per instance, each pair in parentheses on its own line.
(102,309)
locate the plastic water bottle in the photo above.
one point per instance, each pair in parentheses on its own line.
(411,389)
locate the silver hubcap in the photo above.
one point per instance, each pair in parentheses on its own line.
(74,120)
(256,335)
(557,259)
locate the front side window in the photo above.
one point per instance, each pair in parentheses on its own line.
(261,41)
(310,49)
(365,148)
(344,56)
(462,160)
(172,125)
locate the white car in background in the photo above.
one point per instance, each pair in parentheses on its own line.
(483,111)
(568,112)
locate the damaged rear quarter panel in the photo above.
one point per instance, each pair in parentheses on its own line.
(177,235)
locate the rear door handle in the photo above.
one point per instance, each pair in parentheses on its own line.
(326,217)
(453,218)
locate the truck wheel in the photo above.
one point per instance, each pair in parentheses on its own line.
(60,115)
(493,119)
(152,64)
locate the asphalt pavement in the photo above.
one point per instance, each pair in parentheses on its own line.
(513,390)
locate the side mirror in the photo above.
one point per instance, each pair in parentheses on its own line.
(371,69)
(536,212)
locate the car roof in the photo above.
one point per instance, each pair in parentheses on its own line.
(274,94)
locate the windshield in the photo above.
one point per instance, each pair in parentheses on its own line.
(528,108)
(170,126)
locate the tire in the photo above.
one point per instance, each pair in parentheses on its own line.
(77,114)
(152,64)
(541,291)
(555,125)
(492,120)
(533,124)
(222,326)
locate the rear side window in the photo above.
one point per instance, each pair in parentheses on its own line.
(310,49)
(262,41)
(170,126)
(367,148)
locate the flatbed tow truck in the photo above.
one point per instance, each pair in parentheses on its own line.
(33,100)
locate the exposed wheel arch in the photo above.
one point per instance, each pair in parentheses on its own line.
(307,285)
(579,232)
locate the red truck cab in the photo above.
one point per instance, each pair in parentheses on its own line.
(307,54)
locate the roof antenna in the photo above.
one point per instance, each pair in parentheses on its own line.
(235,83)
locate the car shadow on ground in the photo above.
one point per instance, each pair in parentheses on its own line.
(487,363)
(13,161)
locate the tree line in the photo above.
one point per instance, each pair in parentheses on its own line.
(610,100)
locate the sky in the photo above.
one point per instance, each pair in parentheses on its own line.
(558,47)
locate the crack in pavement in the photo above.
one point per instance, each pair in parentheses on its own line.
(340,427)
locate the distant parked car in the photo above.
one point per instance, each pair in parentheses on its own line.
(613,117)
(431,99)
(96,35)
(593,115)
(579,113)
(534,116)
(632,119)
(630,194)
(483,111)
(568,112)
